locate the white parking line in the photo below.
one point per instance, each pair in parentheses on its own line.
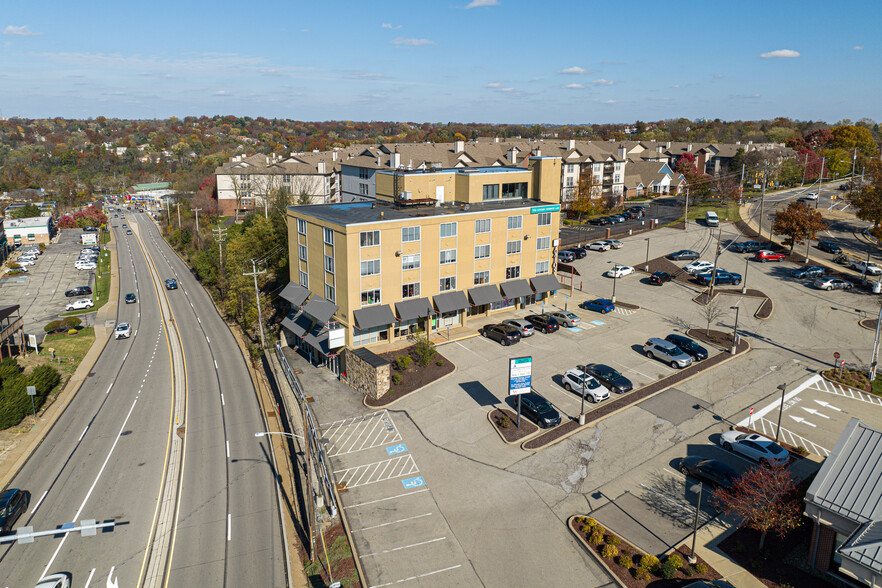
(387,469)
(823,385)
(360,504)
(768,427)
(394,549)
(417,576)
(629,368)
(373,431)
(392,523)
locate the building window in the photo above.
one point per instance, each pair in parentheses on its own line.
(304,279)
(286,178)
(513,247)
(302,250)
(491,191)
(363,173)
(448,230)
(448,256)
(518,190)
(370,297)
(370,267)
(409,262)
(482,277)
(363,189)
(329,264)
(543,243)
(448,284)
(329,236)
(543,219)
(410,290)
(482,251)
(512,272)
(329,293)
(617,179)
(542,267)
(482,225)
(301,226)
(369,238)
(410,234)
(367,336)
(569,182)
(515,222)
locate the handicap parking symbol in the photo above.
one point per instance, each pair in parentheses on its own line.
(413,482)
(598,323)
(396,449)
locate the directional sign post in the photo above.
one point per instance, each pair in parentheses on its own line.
(520,374)
(32,391)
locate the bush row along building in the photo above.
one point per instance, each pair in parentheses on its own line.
(620,169)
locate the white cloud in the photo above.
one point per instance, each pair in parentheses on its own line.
(412,42)
(367,76)
(221,93)
(858,47)
(389,26)
(719,76)
(494,85)
(479,3)
(676,86)
(780,54)
(574,71)
(607,101)
(574,86)
(22,31)
(603,82)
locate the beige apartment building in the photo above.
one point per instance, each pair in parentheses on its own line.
(437,247)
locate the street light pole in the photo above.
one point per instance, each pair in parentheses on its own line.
(783,389)
(615,279)
(735,330)
(875,359)
(692,558)
(582,410)
(744,277)
(646,267)
(763,200)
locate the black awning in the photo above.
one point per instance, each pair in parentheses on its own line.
(545,283)
(412,309)
(482,295)
(516,289)
(321,309)
(295,294)
(451,301)
(297,324)
(318,338)
(373,316)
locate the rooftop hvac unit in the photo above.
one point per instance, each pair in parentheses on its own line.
(406,195)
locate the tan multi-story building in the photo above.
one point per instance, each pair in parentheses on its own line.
(437,247)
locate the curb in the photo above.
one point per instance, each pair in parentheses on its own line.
(504,440)
(414,391)
(864,324)
(613,576)
(821,373)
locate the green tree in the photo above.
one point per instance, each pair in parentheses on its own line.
(838,162)
(849,137)
(869,201)
(798,222)
(26,211)
(588,201)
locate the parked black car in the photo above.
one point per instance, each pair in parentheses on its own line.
(13,503)
(749,246)
(579,252)
(659,278)
(540,410)
(609,377)
(710,471)
(809,271)
(829,247)
(719,278)
(688,346)
(78,291)
(543,322)
(602,221)
(684,254)
(505,334)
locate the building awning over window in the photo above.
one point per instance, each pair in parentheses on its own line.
(516,289)
(451,301)
(321,309)
(545,283)
(298,323)
(295,294)
(482,295)
(373,316)
(408,310)
(318,338)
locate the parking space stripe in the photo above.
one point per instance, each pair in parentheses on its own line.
(767,427)
(417,577)
(369,502)
(823,385)
(427,514)
(360,433)
(394,549)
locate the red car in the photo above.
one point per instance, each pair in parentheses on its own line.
(766,255)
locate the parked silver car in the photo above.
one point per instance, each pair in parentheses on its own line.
(667,352)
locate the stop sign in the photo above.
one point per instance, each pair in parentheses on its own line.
(836,354)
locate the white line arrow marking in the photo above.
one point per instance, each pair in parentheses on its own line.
(111,582)
(801,420)
(814,412)
(828,405)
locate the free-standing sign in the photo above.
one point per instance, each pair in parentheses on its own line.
(520,373)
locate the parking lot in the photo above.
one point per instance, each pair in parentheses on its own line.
(40,291)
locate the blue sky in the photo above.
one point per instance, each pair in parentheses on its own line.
(497,61)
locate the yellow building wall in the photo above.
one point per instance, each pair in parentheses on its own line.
(546,178)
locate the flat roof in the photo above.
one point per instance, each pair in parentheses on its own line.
(351,213)
(465,171)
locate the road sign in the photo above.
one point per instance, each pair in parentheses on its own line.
(32,390)
(520,372)
(836,354)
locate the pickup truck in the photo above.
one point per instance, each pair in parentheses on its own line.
(871,268)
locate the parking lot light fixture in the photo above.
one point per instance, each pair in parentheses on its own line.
(582,410)
(735,330)
(696,488)
(783,389)
(744,277)
(646,265)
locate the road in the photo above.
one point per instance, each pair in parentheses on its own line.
(108,454)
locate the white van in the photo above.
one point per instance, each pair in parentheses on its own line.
(711,219)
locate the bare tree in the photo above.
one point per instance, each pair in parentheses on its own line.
(712,311)
(240,190)
(304,188)
(265,185)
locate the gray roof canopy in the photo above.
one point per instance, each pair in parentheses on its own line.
(516,289)
(297,324)
(451,301)
(482,295)
(545,283)
(411,309)
(295,294)
(318,338)
(321,309)
(373,316)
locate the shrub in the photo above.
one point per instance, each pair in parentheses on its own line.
(613,539)
(440,362)
(667,570)
(9,368)
(609,551)
(396,378)
(700,568)
(649,563)
(424,351)
(52,326)
(69,322)
(800,450)
(641,574)
(624,561)
(675,561)
(598,528)
(14,401)
(44,378)
(590,522)
(72,332)
(504,421)
(686,571)
(596,538)
(402,362)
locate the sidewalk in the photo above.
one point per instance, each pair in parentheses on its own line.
(105,320)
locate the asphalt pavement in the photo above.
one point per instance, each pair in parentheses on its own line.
(660,210)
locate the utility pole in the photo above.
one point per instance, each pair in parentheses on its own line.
(167,211)
(741,187)
(875,359)
(256,273)
(686,211)
(853,162)
(221,237)
(804,169)
(763,200)
(178,204)
(714,272)
(198,241)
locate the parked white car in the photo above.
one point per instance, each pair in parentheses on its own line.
(86,267)
(123,331)
(574,381)
(26,261)
(80,304)
(619,271)
(811,196)
(756,447)
(699,266)
(598,246)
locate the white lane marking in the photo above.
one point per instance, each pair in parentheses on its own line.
(814,412)
(111,583)
(228,449)
(36,506)
(108,389)
(385,499)
(828,405)
(777,402)
(207,339)
(222,399)
(394,549)
(92,488)
(802,420)
(417,576)
(215,364)
(136,332)
(392,522)
(83,433)
(89,579)
(229,527)
(125,356)
(199,319)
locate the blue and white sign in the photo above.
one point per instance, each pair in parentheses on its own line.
(410,483)
(520,375)
(396,449)
(548,208)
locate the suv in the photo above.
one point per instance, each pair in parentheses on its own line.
(829,247)
(609,377)
(766,255)
(543,322)
(659,278)
(809,271)
(747,246)
(566,256)
(540,410)
(505,334)
(13,503)
(78,291)
(80,304)
(576,380)
(123,331)
(667,352)
(722,277)
(688,346)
